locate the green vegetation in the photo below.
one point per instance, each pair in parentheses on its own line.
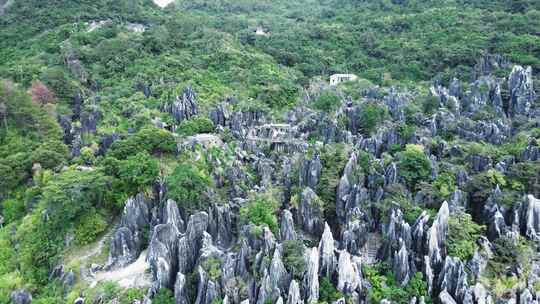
(327,292)
(89,227)
(371,116)
(164,296)
(188,184)
(150,140)
(261,211)
(51,52)
(384,286)
(294,259)
(333,159)
(71,196)
(328,102)
(463,233)
(414,166)
(445,184)
(212,266)
(195,125)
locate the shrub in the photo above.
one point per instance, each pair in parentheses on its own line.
(151,140)
(8,255)
(371,116)
(462,236)
(327,102)
(384,286)
(90,226)
(50,154)
(131,295)
(12,210)
(293,258)
(445,184)
(328,292)
(163,296)
(8,283)
(510,252)
(40,94)
(41,234)
(195,125)
(430,104)
(212,266)
(406,131)
(414,166)
(87,156)
(188,184)
(528,174)
(261,211)
(333,159)
(138,171)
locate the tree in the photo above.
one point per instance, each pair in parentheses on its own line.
(6,92)
(462,236)
(371,116)
(327,102)
(261,211)
(138,171)
(195,125)
(414,166)
(188,184)
(41,95)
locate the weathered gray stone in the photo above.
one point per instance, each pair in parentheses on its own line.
(349,278)
(310,212)
(401,265)
(294,294)
(311,278)
(127,241)
(21,297)
(286,230)
(453,278)
(326,253)
(162,255)
(522,94)
(180,291)
(446,298)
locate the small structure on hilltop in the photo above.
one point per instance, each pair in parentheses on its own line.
(260,31)
(339,78)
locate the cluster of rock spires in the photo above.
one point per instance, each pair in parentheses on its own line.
(211,255)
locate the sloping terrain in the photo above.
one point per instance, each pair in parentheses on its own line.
(196,152)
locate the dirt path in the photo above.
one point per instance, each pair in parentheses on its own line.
(133,275)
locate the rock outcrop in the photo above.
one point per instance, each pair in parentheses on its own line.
(129,238)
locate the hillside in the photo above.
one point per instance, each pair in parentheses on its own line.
(196,152)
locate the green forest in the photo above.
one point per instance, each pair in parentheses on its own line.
(90,119)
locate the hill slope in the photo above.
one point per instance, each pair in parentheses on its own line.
(197,154)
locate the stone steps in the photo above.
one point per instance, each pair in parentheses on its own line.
(368,253)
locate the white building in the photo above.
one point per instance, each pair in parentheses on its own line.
(339,78)
(259,31)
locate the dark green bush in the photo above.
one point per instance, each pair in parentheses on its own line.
(65,199)
(188,184)
(293,258)
(371,116)
(414,166)
(327,292)
(462,236)
(12,210)
(150,140)
(163,296)
(261,211)
(327,102)
(139,171)
(384,286)
(195,125)
(445,184)
(89,227)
